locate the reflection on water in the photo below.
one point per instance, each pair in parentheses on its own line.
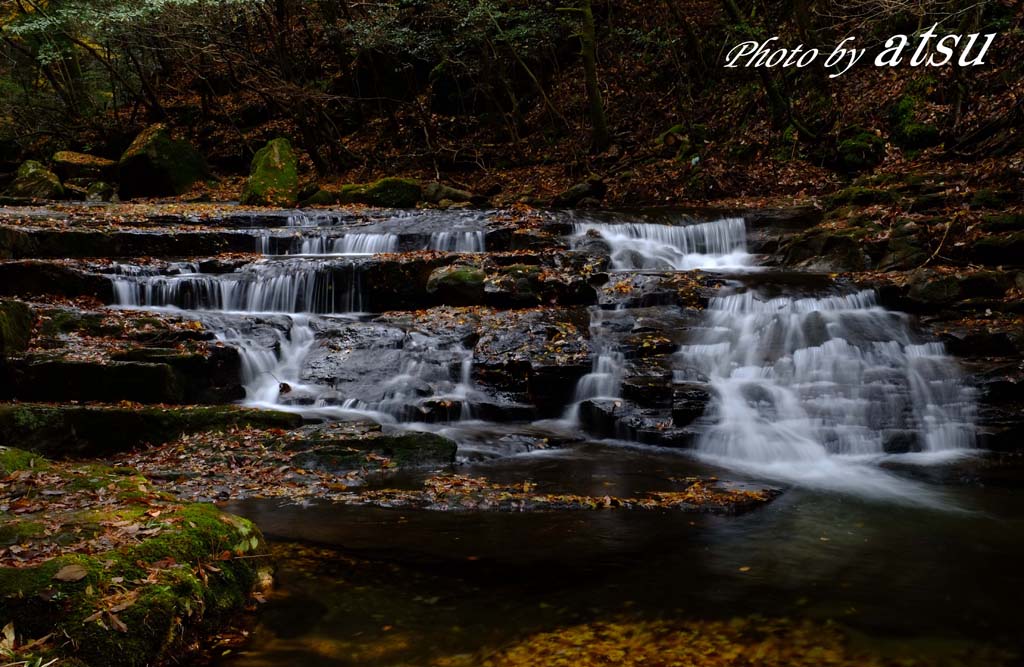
(417,588)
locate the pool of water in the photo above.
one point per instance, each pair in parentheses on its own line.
(389,587)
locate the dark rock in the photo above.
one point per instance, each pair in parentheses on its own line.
(436,193)
(999,250)
(15,328)
(689,402)
(59,380)
(156,165)
(342,447)
(386,193)
(60,431)
(100,191)
(30,278)
(649,391)
(593,188)
(71,165)
(932,290)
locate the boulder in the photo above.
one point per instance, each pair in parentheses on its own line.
(436,193)
(34,181)
(69,164)
(156,165)
(933,290)
(457,285)
(386,193)
(343,446)
(100,191)
(997,250)
(15,327)
(273,177)
(593,188)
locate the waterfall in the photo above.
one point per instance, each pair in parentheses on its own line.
(327,244)
(709,245)
(461,241)
(268,370)
(294,287)
(797,380)
(605,377)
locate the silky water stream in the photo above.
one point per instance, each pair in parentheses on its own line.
(889,523)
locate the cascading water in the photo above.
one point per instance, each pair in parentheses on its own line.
(267,371)
(798,380)
(605,378)
(719,244)
(459,241)
(328,244)
(293,287)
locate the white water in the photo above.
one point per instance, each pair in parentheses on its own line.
(798,381)
(471,241)
(294,287)
(720,244)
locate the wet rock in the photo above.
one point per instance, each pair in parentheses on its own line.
(514,286)
(901,442)
(689,402)
(829,250)
(457,285)
(34,181)
(973,343)
(619,418)
(72,165)
(15,328)
(654,391)
(341,447)
(436,193)
(30,278)
(100,191)
(156,165)
(203,378)
(273,176)
(71,430)
(38,243)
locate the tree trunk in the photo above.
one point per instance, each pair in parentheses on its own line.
(599,138)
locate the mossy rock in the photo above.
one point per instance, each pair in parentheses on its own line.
(386,193)
(861,150)
(273,177)
(907,130)
(1000,249)
(321,197)
(15,327)
(115,599)
(339,447)
(933,290)
(34,181)
(861,196)
(457,285)
(1009,222)
(991,199)
(103,430)
(69,164)
(439,193)
(156,165)
(59,380)
(100,191)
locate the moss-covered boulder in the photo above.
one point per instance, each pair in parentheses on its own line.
(101,569)
(439,193)
(69,164)
(15,327)
(386,193)
(67,430)
(34,181)
(100,191)
(342,447)
(859,151)
(273,177)
(157,165)
(457,285)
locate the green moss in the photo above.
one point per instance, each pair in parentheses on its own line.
(191,577)
(860,150)
(386,193)
(273,178)
(35,181)
(63,430)
(18,532)
(988,198)
(861,196)
(12,459)
(907,131)
(320,198)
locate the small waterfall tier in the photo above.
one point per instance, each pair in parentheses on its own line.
(327,244)
(284,287)
(719,244)
(458,241)
(798,379)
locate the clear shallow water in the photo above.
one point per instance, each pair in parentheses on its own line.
(892,573)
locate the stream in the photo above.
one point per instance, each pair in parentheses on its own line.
(892,522)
